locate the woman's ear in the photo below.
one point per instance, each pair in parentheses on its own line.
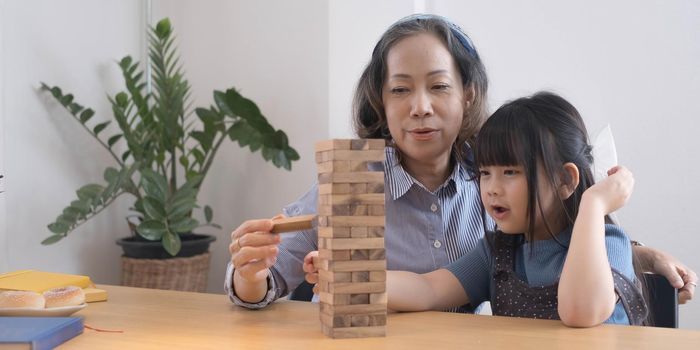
(469,95)
(569,180)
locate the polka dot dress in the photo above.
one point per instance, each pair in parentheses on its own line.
(510,296)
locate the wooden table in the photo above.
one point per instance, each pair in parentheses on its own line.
(156,319)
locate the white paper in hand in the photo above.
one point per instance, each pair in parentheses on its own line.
(604,155)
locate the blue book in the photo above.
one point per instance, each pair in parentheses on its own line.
(37,333)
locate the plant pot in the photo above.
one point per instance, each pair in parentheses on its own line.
(140,248)
(146,264)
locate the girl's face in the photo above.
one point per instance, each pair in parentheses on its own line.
(423,98)
(504,192)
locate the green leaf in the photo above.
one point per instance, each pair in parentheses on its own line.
(151,230)
(171,243)
(208,213)
(198,155)
(90,191)
(99,127)
(59,227)
(81,205)
(205,139)
(112,140)
(181,209)
(126,155)
(86,115)
(71,214)
(122,99)
(75,108)
(52,239)
(184,225)
(154,184)
(154,208)
(184,161)
(66,100)
(163,28)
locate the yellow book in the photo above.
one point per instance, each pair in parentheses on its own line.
(39,281)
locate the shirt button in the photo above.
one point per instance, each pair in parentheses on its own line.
(434,207)
(437,244)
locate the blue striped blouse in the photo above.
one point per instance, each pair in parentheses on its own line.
(424,230)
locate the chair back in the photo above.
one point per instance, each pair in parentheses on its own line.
(663,301)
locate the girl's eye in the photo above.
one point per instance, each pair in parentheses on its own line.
(510,172)
(483,173)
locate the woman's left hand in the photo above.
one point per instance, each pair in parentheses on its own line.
(677,273)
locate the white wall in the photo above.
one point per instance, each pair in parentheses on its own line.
(47,156)
(632,64)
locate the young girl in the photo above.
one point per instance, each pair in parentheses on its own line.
(552,254)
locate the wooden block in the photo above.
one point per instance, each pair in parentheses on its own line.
(359,254)
(356,299)
(359,210)
(334,232)
(294,223)
(359,320)
(341,210)
(355,243)
(376,276)
(359,232)
(358,309)
(328,145)
(374,254)
(376,231)
(376,143)
(334,299)
(359,144)
(355,265)
(356,177)
(332,276)
(357,288)
(354,332)
(335,255)
(323,287)
(360,155)
(361,276)
(375,187)
(334,188)
(341,166)
(360,188)
(355,199)
(376,210)
(377,320)
(337,321)
(349,221)
(378,299)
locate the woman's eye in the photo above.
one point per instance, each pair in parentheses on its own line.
(441,87)
(399,90)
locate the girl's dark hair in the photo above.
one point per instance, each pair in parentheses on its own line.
(542,129)
(369,118)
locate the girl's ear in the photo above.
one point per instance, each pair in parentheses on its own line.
(469,95)
(569,180)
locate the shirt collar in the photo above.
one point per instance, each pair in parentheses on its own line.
(399,181)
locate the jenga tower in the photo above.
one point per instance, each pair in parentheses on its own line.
(352,259)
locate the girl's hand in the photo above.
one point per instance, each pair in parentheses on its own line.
(614,191)
(311,269)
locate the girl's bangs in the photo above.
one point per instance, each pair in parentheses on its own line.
(502,140)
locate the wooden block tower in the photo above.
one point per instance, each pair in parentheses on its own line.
(352,259)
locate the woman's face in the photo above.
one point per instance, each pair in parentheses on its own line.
(423,98)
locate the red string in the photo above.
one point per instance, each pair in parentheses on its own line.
(103,330)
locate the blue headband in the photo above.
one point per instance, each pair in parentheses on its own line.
(455,29)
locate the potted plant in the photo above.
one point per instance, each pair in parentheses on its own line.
(168,154)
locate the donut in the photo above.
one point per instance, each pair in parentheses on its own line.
(65,296)
(21,299)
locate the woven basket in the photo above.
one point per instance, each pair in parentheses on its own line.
(183,274)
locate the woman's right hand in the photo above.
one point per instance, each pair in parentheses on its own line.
(613,191)
(253,250)
(311,269)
